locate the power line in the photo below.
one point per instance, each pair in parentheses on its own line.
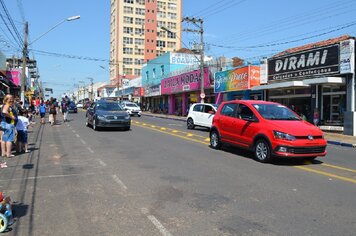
(11,22)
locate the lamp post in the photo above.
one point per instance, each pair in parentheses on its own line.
(201,60)
(25,50)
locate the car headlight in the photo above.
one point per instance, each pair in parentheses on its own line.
(127,117)
(100,117)
(283,136)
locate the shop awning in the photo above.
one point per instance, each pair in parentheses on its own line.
(288,84)
(325,80)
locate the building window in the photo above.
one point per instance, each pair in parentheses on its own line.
(127,71)
(147,76)
(139,51)
(162,70)
(128,30)
(140,2)
(140,11)
(161,43)
(139,41)
(139,21)
(171,44)
(137,72)
(160,53)
(129,1)
(128,10)
(139,31)
(171,35)
(172,15)
(128,20)
(172,25)
(172,6)
(127,61)
(138,61)
(161,14)
(128,51)
(128,40)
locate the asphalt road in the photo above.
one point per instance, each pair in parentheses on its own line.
(161,179)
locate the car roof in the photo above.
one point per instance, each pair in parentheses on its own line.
(250,102)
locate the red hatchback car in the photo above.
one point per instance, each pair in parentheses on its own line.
(268,129)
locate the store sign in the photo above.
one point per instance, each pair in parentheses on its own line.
(139,92)
(152,91)
(319,61)
(184,59)
(237,79)
(14,76)
(347,56)
(185,82)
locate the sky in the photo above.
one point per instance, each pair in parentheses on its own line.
(250,29)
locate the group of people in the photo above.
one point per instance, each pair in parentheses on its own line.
(14,125)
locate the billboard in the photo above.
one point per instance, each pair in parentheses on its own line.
(319,61)
(185,82)
(14,76)
(184,58)
(237,79)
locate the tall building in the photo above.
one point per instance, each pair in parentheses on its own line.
(136,35)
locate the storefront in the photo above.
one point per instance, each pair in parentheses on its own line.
(183,90)
(237,83)
(152,101)
(316,79)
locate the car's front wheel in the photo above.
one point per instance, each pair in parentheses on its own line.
(262,151)
(95,127)
(215,141)
(190,123)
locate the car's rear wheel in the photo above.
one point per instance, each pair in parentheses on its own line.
(190,123)
(262,151)
(215,141)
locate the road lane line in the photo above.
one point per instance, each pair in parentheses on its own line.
(156,223)
(117,180)
(83,142)
(175,135)
(102,163)
(47,176)
(77,135)
(90,150)
(338,167)
(326,174)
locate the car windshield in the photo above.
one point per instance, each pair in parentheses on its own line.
(275,112)
(110,106)
(131,105)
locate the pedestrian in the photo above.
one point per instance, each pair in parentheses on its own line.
(56,105)
(43,111)
(64,108)
(52,112)
(8,122)
(37,105)
(316,117)
(21,127)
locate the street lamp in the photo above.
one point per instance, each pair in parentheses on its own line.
(25,50)
(201,61)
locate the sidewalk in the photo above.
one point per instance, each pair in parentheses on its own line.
(333,138)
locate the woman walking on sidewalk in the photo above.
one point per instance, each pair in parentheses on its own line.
(8,122)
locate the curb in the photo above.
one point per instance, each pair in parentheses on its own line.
(328,141)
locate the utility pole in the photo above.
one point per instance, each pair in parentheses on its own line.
(92,89)
(195,21)
(24,62)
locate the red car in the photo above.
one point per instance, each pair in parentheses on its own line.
(268,129)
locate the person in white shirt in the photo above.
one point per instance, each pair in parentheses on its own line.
(22,126)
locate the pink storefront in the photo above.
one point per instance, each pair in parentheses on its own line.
(184,89)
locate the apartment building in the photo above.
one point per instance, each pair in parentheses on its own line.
(136,35)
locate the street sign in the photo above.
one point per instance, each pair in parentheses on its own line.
(202,95)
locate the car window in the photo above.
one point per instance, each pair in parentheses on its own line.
(198,108)
(208,109)
(109,106)
(229,109)
(244,112)
(131,105)
(275,112)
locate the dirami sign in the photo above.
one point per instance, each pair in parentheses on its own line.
(237,79)
(185,82)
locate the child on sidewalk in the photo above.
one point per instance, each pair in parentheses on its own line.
(22,126)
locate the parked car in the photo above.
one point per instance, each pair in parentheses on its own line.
(131,108)
(107,114)
(72,108)
(266,128)
(201,114)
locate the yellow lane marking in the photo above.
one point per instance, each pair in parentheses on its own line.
(176,135)
(326,174)
(339,167)
(153,126)
(207,142)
